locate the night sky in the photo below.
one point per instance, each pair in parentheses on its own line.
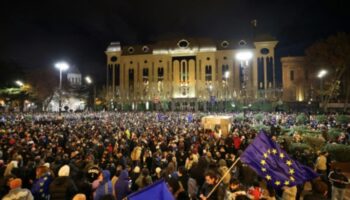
(36,34)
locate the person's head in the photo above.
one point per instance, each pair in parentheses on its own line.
(210,177)
(79,197)
(15,183)
(182,170)
(64,170)
(234,184)
(41,170)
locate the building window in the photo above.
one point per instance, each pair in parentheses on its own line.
(145,74)
(183,43)
(208,73)
(131,80)
(131,50)
(224,44)
(184,71)
(224,69)
(160,73)
(291,75)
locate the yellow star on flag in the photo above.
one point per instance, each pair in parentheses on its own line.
(263,169)
(269,151)
(265,155)
(277,183)
(286,182)
(289,162)
(263,162)
(274,151)
(291,171)
(281,155)
(268,177)
(292,178)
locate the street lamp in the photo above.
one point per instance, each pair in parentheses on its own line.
(322,73)
(210,89)
(19,83)
(244,57)
(90,82)
(62,66)
(227,74)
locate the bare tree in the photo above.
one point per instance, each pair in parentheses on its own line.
(332,54)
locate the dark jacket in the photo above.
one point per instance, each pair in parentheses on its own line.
(122,185)
(62,188)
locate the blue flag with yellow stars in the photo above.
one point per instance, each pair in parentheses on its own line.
(273,164)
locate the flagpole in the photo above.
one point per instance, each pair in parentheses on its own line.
(222,178)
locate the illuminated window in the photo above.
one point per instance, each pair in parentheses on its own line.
(145,74)
(208,73)
(160,73)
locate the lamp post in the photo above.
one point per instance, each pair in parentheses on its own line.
(322,73)
(210,88)
(19,83)
(227,74)
(21,95)
(244,57)
(90,82)
(61,66)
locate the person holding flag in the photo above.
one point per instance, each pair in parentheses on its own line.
(273,164)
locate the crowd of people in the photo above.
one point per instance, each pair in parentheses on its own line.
(109,155)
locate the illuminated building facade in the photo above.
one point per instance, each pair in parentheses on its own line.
(298,81)
(189,74)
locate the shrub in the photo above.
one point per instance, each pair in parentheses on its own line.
(334,133)
(342,119)
(299,147)
(300,129)
(339,152)
(239,117)
(321,119)
(259,117)
(301,119)
(316,143)
(261,127)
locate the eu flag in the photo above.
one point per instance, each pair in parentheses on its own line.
(156,191)
(273,164)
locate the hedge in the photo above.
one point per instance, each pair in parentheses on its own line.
(338,152)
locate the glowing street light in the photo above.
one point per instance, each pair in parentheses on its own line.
(19,83)
(88,80)
(322,73)
(91,101)
(227,74)
(62,66)
(244,56)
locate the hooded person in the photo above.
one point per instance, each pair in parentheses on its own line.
(17,192)
(122,188)
(105,187)
(40,188)
(63,187)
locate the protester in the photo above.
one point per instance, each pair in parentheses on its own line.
(17,192)
(339,182)
(63,186)
(82,148)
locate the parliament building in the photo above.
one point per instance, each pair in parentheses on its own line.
(190,74)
